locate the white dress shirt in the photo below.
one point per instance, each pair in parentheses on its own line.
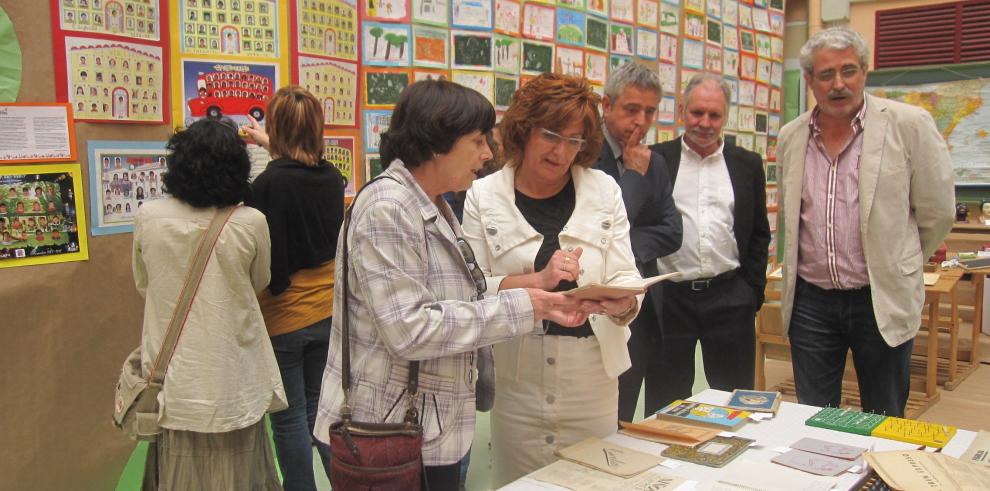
(703,195)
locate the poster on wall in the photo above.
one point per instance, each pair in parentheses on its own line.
(334,83)
(123,176)
(430,12)
(229,27)
(507,17)
(431,47)
(36,132)
(137,19)
(114,81)
(383,86)
(471,14)
(327,28)
(340,152)
(387,10)
(42,218)
(386,44)
(375,123)
(232,89)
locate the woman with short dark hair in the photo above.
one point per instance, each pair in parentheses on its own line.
(302,196)
(222,377)
(415,290)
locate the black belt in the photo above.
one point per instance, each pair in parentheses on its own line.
(702,284)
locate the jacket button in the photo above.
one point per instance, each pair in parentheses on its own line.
(491,231)
(570,248)
(550,399)
(551,361)
(606,225)
(498,248)
(604,241)
(549,439)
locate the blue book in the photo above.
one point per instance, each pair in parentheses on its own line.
(701,414)
(755,400)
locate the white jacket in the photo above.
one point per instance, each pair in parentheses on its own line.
(505,243)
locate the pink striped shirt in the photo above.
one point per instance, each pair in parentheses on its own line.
(830,245)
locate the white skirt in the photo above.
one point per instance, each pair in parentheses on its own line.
(550,392)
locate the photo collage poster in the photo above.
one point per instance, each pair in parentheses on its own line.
(111,59)
(42,217)
(123,176)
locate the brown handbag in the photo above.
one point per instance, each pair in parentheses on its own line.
(378,456)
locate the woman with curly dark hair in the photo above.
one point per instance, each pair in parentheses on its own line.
(549,221)
(302,196)
(223,376)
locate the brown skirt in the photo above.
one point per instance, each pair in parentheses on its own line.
(235,460)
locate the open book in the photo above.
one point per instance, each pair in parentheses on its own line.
(598,291)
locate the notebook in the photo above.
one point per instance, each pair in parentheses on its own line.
(597,291)
(701,414)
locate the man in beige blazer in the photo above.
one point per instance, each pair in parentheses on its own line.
(867,192)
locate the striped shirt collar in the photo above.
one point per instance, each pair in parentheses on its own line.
(857,123)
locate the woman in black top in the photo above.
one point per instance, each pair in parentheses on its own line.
(302,196)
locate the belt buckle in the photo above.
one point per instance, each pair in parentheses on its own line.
(700,285)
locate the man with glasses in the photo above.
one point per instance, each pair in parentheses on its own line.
(867,193)
(632,94)
(719,190)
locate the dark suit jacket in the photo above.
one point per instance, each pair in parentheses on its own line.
(750,225)
(654,223)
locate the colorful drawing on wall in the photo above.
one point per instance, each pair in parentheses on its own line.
(775,100)
(667,113)
(570,27)
(747,93)
(385,44)
(747,41)
(713,8)
(747,119)
(334,83)
(773,124)
(646,44)
(745,140)
(647,13)
(615,61)
(375,123)
(760,122)
(431,12)
(730,63)
(746,16)
(776,74)
(328,28)
(123,176)
(623,11)
(761,20)
(572,4)
(595,67)
(777,48)
(569,61)
(538,22)
(730,11)
(762,99)
(431,47)
(694,25)
(763,44)
(777,23)
(138,19)
(482,82)
(670,20)
(763,70)
(733,90)
(214,89)
(732,119)
(471,14)
(507,17)
(695,5)
(430,74)
(777,5)
(596,33)
(43,219)
(387,10)
(621,39)
(536,57)
(686,75)
(340,152)
(372,166)
(382,86)
(713,32)
(114,80)
(713,58)
(760,147)
(471,49)
(598,7)
(693,53)
(505,88)
(506,54)
(730,37)
(668,77)
(218,27)
(668,48)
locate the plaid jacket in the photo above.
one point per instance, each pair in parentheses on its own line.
(412,298)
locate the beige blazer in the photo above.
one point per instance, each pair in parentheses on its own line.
(906,207)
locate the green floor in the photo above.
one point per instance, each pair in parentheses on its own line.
(479,474)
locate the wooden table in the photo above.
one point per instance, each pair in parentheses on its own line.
(944,287)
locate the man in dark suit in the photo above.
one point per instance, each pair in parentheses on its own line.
(629,107)
(720,192)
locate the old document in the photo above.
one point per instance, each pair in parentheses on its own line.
(913,470)
(609,457)
(577,477)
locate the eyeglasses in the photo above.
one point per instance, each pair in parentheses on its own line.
(847,72)
(480,283)
(571,143)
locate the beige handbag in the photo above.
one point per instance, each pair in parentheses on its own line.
(135,401)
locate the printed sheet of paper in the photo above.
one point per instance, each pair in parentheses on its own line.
(979,451)
(832,449)
(911,470)
(749,475)
(821,465)
(36,133)
(580,478)
(609,457)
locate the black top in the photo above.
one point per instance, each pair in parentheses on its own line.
(304,207)
(548,216)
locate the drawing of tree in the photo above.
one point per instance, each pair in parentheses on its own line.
(400,40)
(389,41)
(377,33)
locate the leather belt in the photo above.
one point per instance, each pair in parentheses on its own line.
(702,284)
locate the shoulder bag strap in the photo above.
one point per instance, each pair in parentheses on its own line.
(412,415)
(189,288)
